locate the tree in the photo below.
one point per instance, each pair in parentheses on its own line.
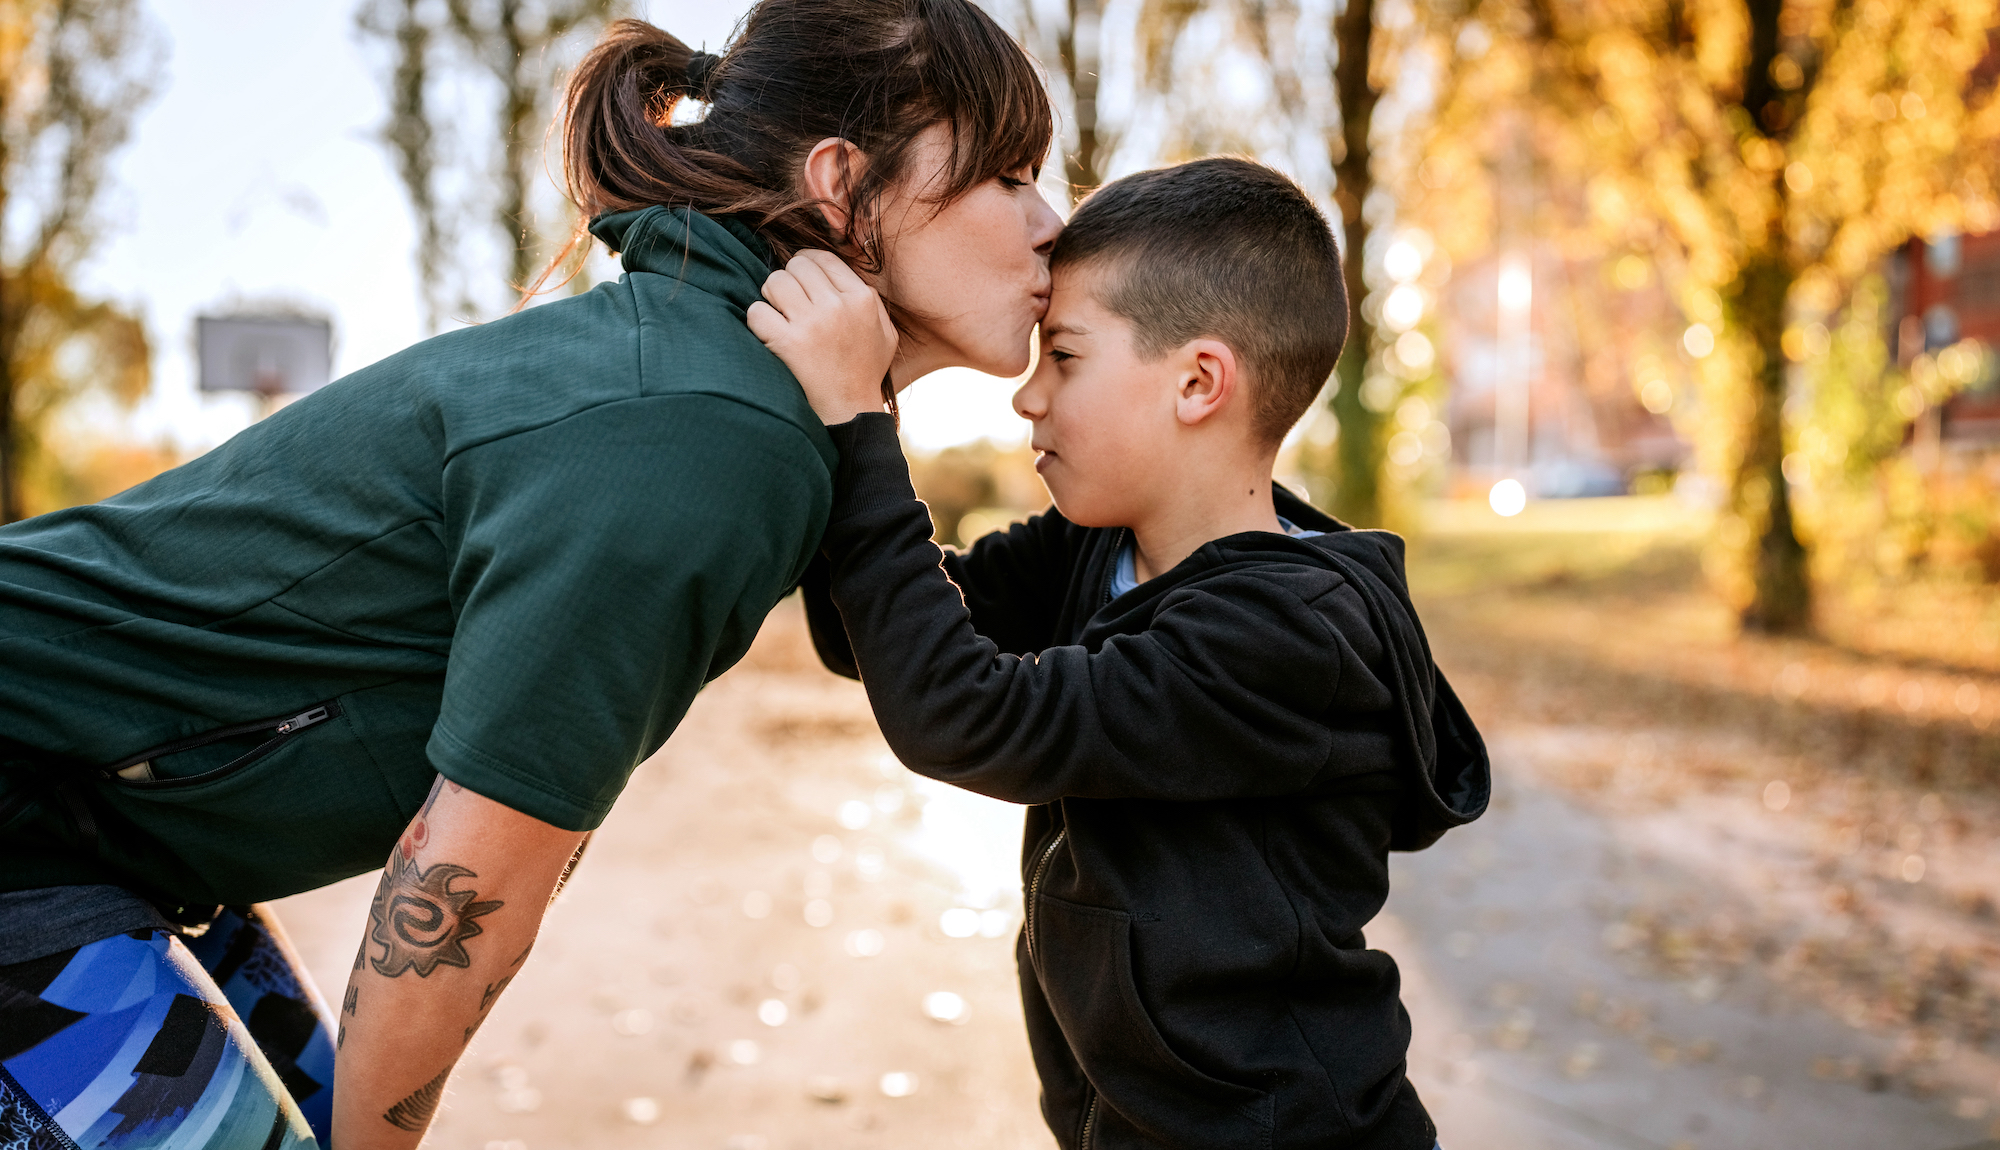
(1073,39)
(1360,455)
(510,49)
(1771,152)
(70,80)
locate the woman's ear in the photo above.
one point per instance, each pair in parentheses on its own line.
(832,167)
(1210,379)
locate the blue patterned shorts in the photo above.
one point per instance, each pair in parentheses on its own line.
(144,1042)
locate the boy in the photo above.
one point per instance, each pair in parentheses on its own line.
(1217,698)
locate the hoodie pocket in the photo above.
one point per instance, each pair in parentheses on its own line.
(1148,1094)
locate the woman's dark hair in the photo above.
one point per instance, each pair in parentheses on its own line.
(873,72)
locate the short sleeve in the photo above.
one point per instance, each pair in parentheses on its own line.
(602,568)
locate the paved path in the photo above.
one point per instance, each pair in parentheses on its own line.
(1539,1027)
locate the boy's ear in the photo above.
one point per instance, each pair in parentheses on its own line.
(831,169)
(1210,378)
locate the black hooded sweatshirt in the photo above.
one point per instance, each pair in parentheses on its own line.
(1217,762)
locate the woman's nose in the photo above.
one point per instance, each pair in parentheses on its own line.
(1044,225)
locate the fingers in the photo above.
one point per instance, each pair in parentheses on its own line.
(814,276)
(811,278)
(835,269)
(786,293)
(766,322)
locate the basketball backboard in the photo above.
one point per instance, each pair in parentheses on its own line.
(269,355)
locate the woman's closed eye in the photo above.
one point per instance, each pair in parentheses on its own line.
(1010,183)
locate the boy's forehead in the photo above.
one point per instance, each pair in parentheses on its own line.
(1074,305)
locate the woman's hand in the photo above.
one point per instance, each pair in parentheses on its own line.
(831,330)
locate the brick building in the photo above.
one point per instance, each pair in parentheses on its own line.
(1942,291)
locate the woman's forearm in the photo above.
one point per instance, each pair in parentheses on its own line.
(450,926)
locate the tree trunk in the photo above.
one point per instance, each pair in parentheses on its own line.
(1078,48)
(1781,596)
(10,453)
(1358,494)
(1781,601)
(517,115)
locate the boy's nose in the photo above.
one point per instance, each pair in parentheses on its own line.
(1030,399)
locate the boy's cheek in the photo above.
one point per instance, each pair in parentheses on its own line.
(1081,496)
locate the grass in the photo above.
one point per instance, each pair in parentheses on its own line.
(1597,610)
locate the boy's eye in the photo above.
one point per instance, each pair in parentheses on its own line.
(1060,356)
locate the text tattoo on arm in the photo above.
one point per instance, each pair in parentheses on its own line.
(419,921)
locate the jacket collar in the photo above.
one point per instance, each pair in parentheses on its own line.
(719,256)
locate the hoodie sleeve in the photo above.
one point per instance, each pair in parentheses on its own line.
(1220,698)
(1014,580)
(1011,583)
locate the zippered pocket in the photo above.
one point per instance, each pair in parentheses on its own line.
(138,770)
(1088,1137)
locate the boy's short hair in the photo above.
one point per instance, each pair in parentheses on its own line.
(1227,249)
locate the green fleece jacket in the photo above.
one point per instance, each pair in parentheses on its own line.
(510,554)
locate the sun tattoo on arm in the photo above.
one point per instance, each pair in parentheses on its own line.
(419,921)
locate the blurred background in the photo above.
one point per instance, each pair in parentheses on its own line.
(1672,354)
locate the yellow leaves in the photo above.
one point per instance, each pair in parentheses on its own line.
(1631,272)
(1160,25)
(17,24)
(1786,73)
(1608,205)
(1721,40)
(1809,341)
(1763,155)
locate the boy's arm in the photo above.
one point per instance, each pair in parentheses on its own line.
(1218,699)
(1014,580)
(1011,583)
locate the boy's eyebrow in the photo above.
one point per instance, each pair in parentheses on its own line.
(1065,329)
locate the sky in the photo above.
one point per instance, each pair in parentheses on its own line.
(254,176)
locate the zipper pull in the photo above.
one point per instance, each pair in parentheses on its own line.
(304,719)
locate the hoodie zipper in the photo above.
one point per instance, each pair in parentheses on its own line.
(138,768)
(1035,886)
(1089,1123)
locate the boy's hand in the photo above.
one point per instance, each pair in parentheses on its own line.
(831,330)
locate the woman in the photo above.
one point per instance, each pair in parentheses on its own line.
(440,609)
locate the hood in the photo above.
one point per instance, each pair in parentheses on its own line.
(1450,772)
(722,256)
